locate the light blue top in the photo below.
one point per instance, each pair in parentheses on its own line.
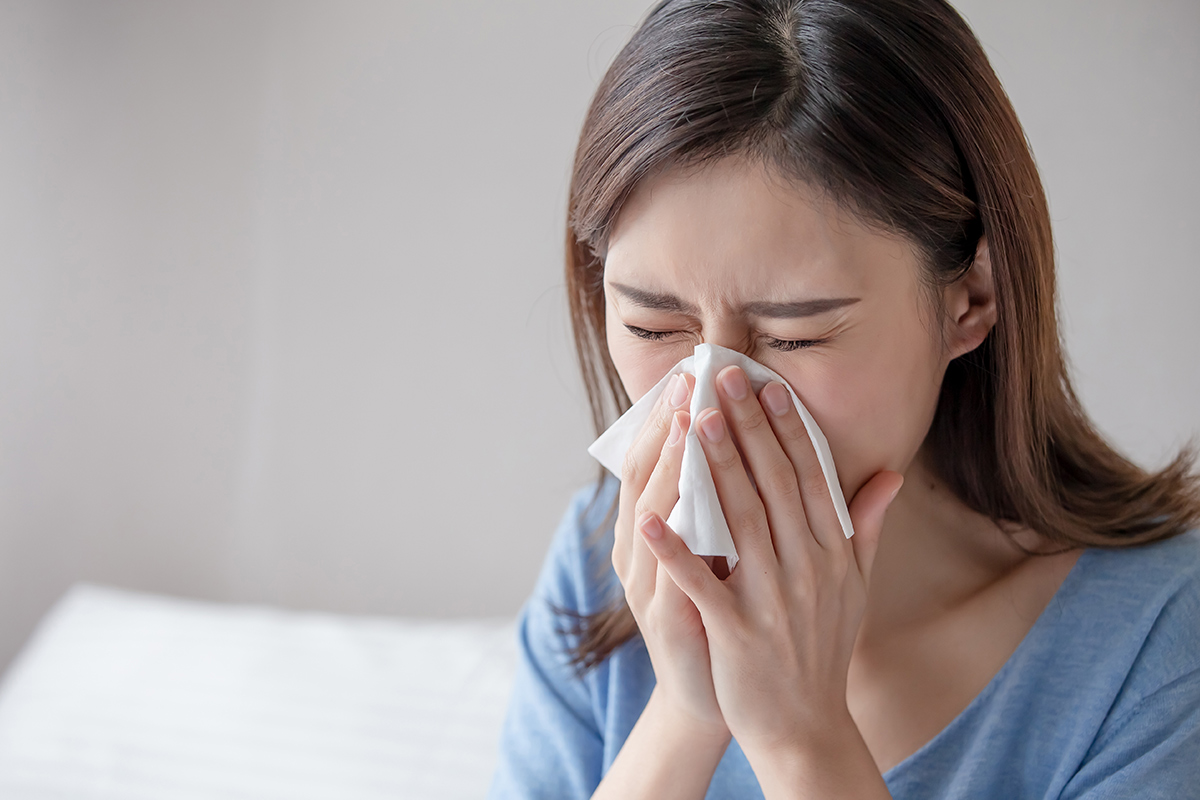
(1100,700)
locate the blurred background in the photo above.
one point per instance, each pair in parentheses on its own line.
(281,308)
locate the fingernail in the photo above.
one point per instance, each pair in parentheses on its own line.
(678,389)
(893,497)
(735,384)
(713,427)
(777,399)
(651,526)
(676,431)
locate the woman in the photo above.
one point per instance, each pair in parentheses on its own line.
(840,190)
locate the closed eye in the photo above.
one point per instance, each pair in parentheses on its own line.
(788,345)
(653,336)
(781,345)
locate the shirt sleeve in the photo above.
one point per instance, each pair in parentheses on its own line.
(1152,752)
(551,745)
(1150,746)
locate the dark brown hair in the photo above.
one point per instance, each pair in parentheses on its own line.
(892,108)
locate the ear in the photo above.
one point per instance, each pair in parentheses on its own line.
(970,304)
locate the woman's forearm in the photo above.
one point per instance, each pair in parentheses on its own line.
(662,758)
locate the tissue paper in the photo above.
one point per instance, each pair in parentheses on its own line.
(697,516)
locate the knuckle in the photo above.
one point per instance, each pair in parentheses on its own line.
(620,561)
(749,520)
(813,483)
(631,468)
(771,615)
(694,585)
(779,478)
(800,593)
(636,596)
(794,433)
(665,469)
(755,421)
(622,528)
(659,423)
(726,459)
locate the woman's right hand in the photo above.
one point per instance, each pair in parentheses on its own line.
(668,621)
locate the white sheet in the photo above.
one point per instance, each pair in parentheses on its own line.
(124,695)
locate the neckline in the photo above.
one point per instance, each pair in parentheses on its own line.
(1037,630)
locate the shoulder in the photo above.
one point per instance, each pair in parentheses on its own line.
(1145,609)
(1146,583)
(1137,683)
(1176,560)
(577,572)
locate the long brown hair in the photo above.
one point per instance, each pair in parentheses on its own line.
(892,108)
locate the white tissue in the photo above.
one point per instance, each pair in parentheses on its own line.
(697,517)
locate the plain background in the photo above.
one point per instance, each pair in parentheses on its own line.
(281,308)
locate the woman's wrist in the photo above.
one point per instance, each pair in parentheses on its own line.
(667,755)
(677,723)
(832,763)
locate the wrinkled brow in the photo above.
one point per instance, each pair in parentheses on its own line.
(791,309)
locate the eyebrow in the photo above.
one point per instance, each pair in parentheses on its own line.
(786,310)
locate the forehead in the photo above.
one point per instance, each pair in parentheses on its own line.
(734,230)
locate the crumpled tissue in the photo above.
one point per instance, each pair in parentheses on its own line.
(697,516)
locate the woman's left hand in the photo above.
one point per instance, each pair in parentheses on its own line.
(781,628)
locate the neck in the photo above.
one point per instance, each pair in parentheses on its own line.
(934,553)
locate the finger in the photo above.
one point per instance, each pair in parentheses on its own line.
(740,503)
(675,604)
(687,570)
(643,453)
(659,497)
(867,511)
(814,489)
(773,472)
(638,465)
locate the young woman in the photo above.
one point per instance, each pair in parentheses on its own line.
(840,190)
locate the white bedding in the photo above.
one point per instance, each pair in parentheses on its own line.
(126,695)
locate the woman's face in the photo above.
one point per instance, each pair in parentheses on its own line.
(731,255)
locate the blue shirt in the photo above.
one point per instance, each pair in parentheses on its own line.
(1101,699)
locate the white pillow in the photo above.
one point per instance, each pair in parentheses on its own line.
(126,695)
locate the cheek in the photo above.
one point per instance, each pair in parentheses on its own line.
(874,408)
(639,366)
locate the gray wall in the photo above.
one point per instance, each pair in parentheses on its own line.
(281,314)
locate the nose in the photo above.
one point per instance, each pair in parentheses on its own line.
(728,336)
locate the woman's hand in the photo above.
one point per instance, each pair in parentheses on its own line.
(782,626)
(669,622)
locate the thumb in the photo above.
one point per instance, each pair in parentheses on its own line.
(867,512)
